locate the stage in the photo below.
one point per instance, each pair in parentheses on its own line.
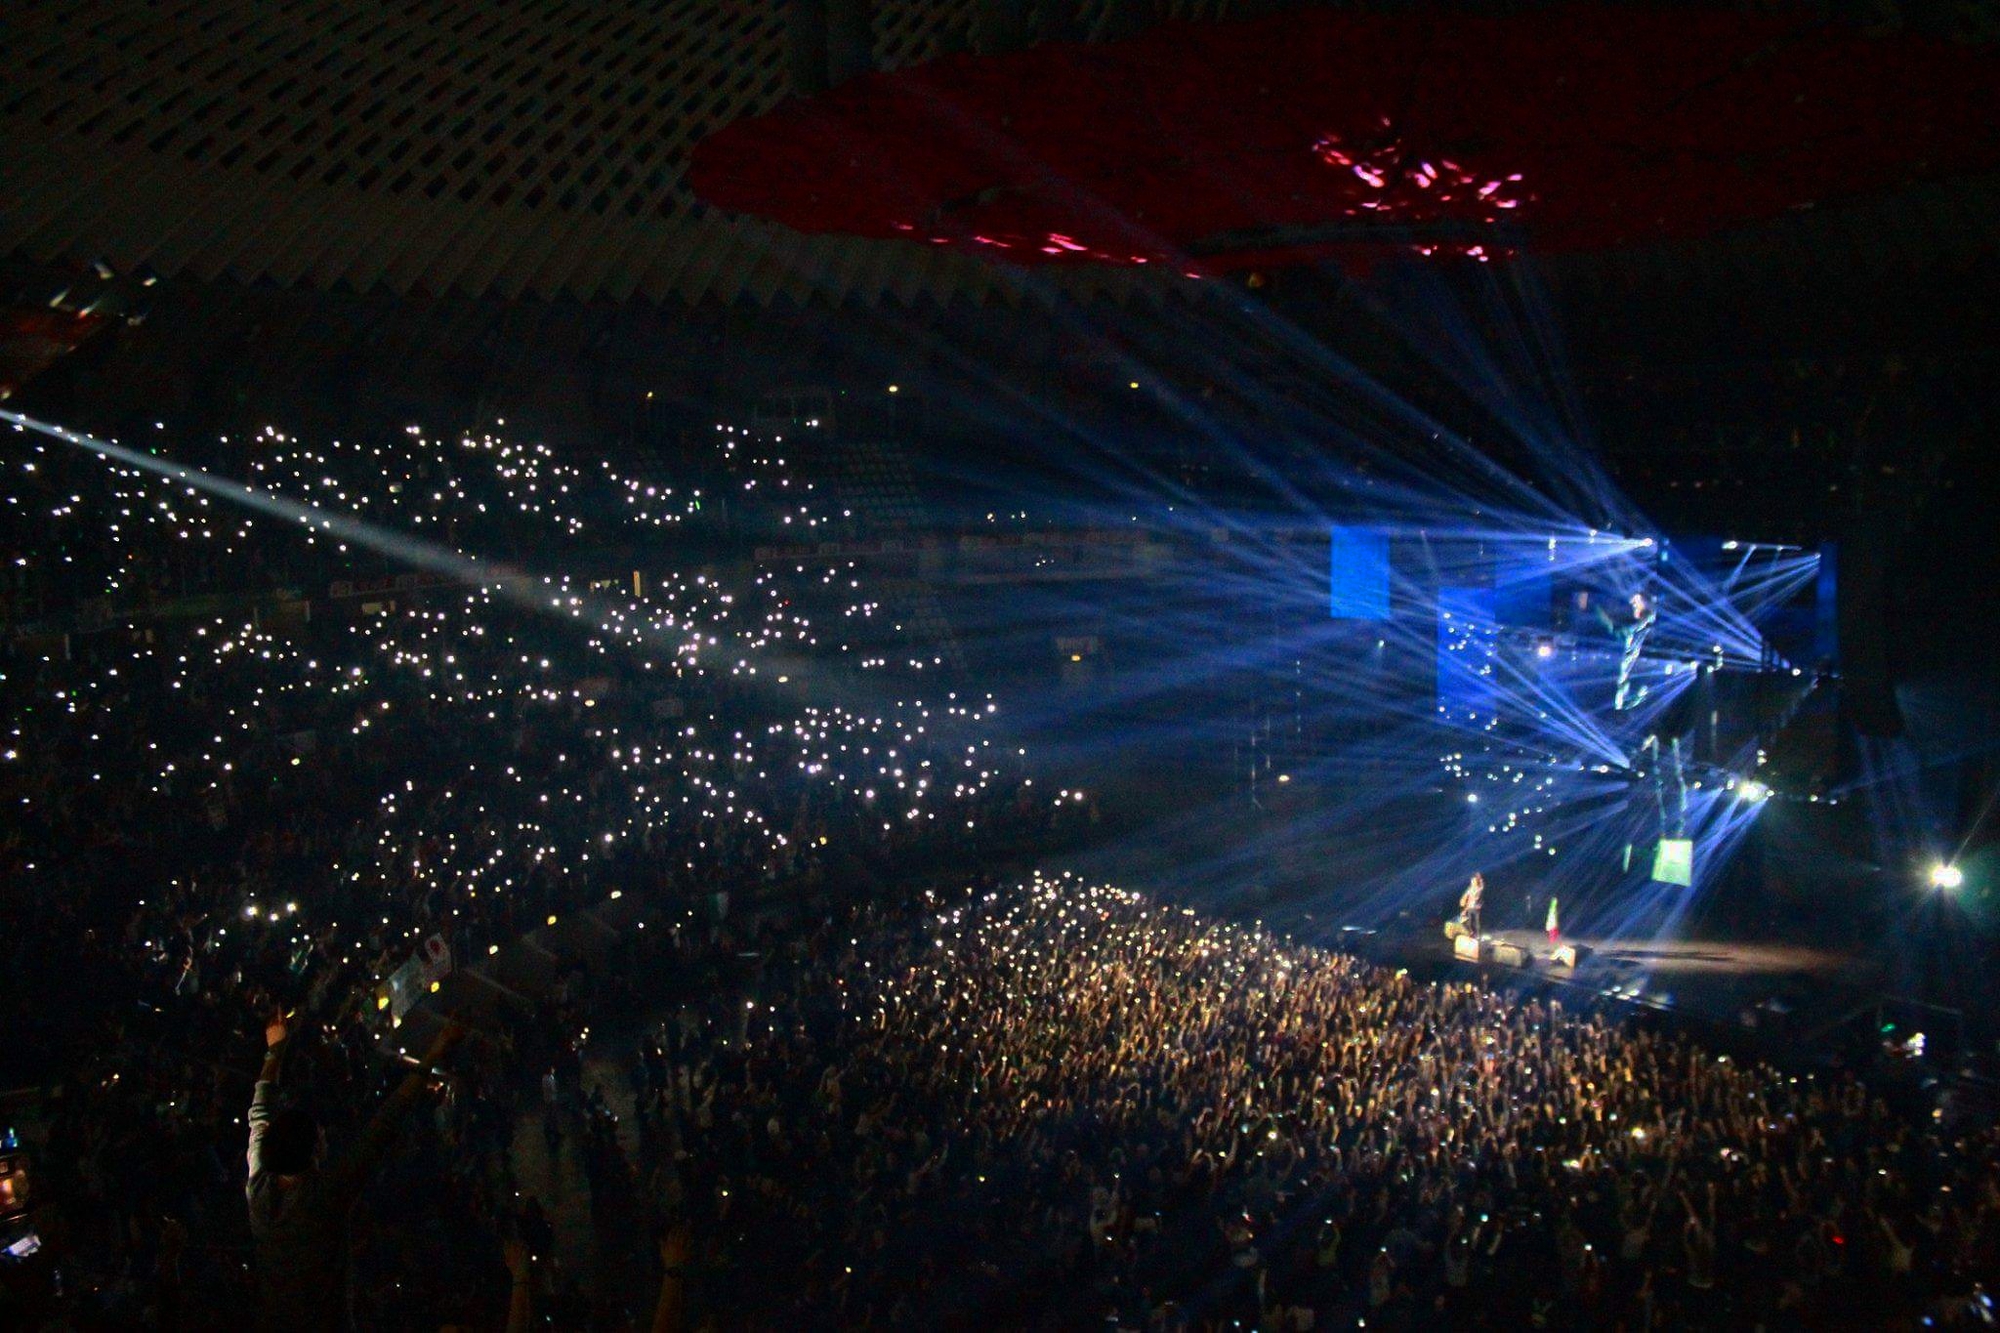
(1670,959)
(1767,984)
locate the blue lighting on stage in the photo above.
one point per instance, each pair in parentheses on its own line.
(1437,617)
(1360,574)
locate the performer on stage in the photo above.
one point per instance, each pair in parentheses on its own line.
(1470,902)
(1631,637)
(1670,792)
(1554,927)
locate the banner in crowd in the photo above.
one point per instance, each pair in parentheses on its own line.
(428,966)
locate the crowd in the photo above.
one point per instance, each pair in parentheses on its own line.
(1061,1105)
(250,775)
(248,767)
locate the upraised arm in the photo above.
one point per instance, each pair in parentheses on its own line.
(275,1036)
(382,1125)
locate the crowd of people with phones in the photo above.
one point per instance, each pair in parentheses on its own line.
(251,772)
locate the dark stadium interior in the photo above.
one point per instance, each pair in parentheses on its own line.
(972,664)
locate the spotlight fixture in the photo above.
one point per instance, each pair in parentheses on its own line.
(1946,876)
(1753,790)
(1545,649)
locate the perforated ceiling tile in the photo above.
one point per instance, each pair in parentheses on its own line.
(435,146)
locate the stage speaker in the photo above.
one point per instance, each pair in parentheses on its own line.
(1453,929)
(1468,947)
(1569,955)
(1510,955)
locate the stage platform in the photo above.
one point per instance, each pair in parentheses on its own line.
(1773,985)
(1667,959)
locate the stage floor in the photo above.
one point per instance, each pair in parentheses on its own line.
(1677,958)
(1761,982)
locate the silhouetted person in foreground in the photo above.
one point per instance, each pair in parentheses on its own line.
(299,1202)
